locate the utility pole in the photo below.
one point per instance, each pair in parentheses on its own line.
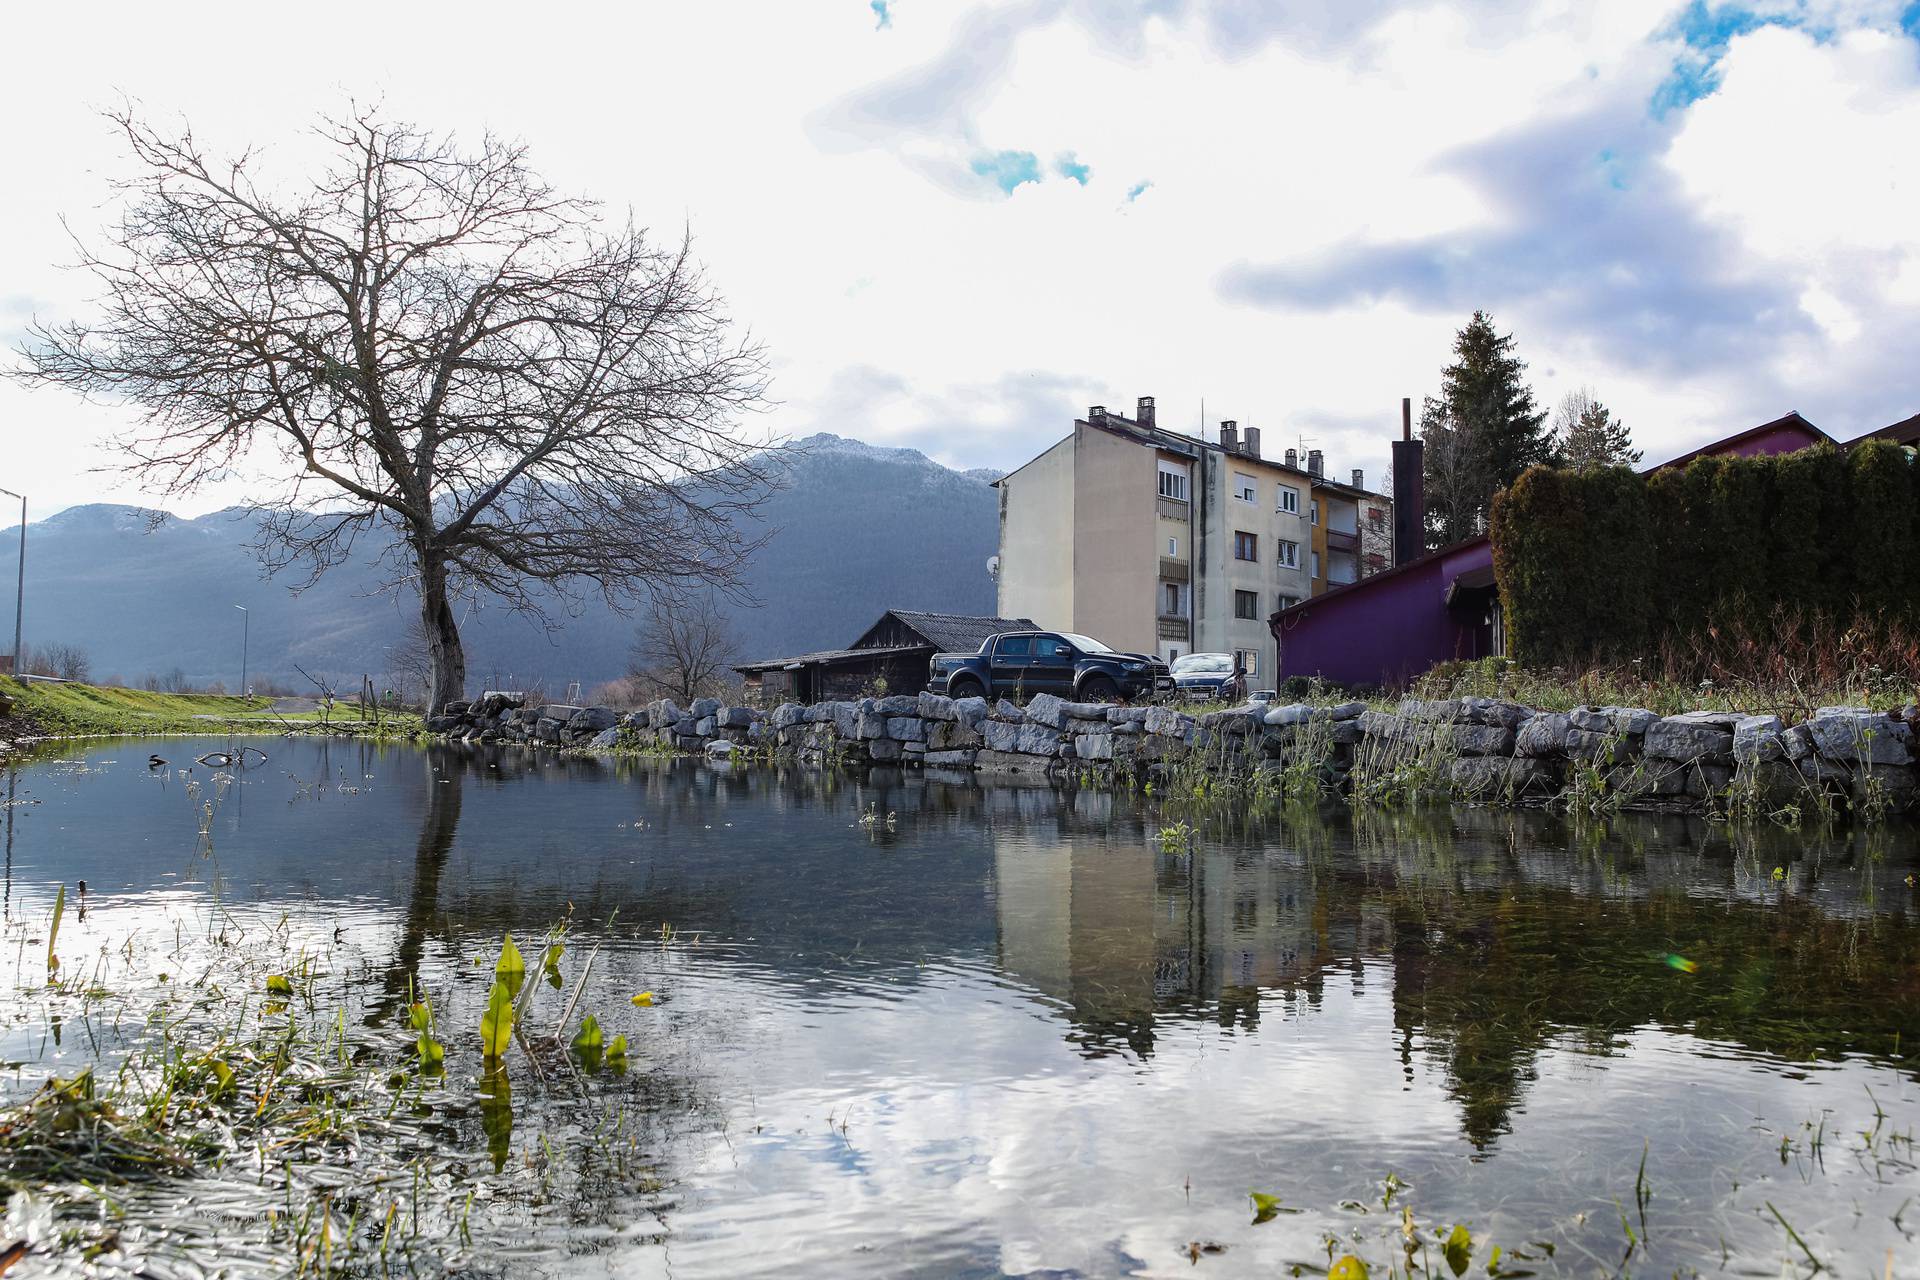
(246,625)
(20,587)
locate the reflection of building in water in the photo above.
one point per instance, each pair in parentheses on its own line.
(1123,934)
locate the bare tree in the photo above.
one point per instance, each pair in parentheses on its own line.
(538,402)
(67,661)
(174,680)
(1455,482)
(683,650)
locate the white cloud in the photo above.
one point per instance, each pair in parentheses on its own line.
(827,169)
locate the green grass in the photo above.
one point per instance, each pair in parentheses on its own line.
(86,708)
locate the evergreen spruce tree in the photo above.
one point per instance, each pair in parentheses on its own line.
(1482,432)
(1588,435)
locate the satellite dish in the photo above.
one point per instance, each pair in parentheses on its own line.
(993,566)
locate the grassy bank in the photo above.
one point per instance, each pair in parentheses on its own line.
(61,710)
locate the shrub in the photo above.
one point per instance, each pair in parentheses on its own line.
(1601,566)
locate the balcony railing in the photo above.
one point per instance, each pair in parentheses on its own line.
(1338,541)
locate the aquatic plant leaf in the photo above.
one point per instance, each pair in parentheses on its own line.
(496,1114)
(1683,964)
(1347,1268)
(496,1024)
(419,1016)
(279,985)
(1265,1206)
(589,1036)
(1458,1250)
(222,1075)
(53,934)
(617,1048)
(510,968)
(644,1000)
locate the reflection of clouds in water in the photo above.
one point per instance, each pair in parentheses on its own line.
(976,1138)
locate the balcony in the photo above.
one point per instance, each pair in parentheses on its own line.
(1174,509)
(1172,628)
(1339,541)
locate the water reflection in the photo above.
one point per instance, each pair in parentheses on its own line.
(1012,1029)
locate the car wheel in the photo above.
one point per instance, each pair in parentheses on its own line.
(964,689)
(1099,689)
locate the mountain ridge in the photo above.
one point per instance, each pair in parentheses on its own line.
(854,529)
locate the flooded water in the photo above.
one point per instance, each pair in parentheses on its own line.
(915,1025)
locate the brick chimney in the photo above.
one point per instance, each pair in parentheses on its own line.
(1316,463)
(1253,442)
(1143,411)
(1293,459)
(1097,414)
(1409,491)
(1359,478)
(1230,436)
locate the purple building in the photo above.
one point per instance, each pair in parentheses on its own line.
(1443,605)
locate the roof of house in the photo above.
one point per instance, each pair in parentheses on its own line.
(957,632)
(1905,431)
(1158,437)
(947,632)
(1734,441)
(827,657)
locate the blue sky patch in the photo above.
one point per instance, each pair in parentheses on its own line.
(1138,189)
(1706,30)
(1007,169)
(1910,20)
(882,15)
(1068,165)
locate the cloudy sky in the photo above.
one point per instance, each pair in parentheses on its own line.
(955,226)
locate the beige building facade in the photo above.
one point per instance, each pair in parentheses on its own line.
(1156,542)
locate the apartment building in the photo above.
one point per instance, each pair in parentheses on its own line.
(1154,541)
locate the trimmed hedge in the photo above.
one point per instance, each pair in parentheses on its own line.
(1605,565)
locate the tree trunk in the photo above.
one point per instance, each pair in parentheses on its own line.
(449,659)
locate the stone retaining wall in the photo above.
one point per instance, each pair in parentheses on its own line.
(1476,748)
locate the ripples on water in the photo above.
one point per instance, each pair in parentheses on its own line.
(915,1025)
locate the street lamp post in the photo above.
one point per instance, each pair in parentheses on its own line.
(246,625)
(20,587)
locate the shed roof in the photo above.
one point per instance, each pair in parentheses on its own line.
(955,632)
(827,657)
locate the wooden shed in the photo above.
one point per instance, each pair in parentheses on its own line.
(891,654)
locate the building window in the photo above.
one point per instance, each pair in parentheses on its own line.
(1315,517)
(1244,488)
(1173,600)
(1173,482)
(1173,548)
(1316,563)
(1286,601)
(1245,547)
(1289,554)
(1246,604)
(1248,661)
(1289,499)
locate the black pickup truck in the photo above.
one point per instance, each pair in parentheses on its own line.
(1019,664)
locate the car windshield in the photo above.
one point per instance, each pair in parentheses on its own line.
(1085,644)
(1195,664)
